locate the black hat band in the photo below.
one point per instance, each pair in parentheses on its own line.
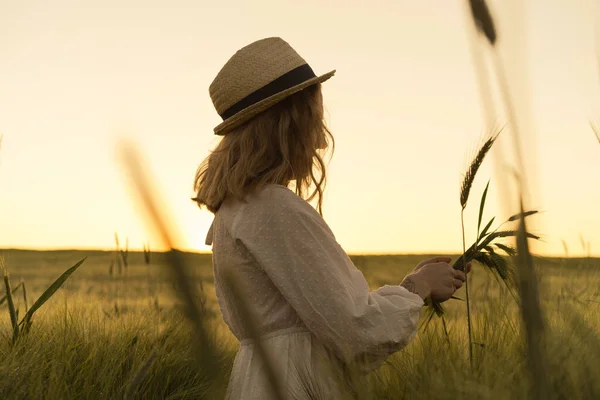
(288,80)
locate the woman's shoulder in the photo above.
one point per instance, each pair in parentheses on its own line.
(275,207)
(273,203)
(273,197)
(266,199)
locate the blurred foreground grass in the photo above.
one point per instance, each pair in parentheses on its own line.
(98,330)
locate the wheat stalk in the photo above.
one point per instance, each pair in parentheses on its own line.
(465,190)
(206,346)
(532,314)
(11,304)
(530,307)
(118,258)
(125,254)
(140,375)
(147,253)
(24,295)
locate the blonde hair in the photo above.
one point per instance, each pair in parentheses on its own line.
(281,146)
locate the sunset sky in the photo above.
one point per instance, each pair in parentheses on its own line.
(404,107)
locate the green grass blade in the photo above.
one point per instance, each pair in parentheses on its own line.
(504,234)
(525,214)
(486,229)
(50,291)
(141,374)
(11,305)
(438,308)
(507,249)
(3,299)
(481,206)
(500,234)
(430,314)
(24,295)
(446,334)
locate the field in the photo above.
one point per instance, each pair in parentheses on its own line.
(91,339)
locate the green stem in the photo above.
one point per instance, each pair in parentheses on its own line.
(11,308)
(445,329)
(462,221)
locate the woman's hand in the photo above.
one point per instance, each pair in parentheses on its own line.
(438,259)
(435,278)
(431,261)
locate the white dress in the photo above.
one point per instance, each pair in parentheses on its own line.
(313,307)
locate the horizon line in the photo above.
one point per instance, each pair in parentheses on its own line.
(201,252)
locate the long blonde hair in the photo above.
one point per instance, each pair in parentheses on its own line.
(281,145)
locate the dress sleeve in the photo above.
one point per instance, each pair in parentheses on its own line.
(297,250)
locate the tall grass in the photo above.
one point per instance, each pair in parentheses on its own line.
(88,355)
(22,327)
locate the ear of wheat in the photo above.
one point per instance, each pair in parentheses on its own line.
(483,20)
(469,177)
(490,253)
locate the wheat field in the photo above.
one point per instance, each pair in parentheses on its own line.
(91,339)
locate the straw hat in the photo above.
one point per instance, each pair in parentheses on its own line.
(255,78)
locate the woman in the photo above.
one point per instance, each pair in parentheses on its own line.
(314,310)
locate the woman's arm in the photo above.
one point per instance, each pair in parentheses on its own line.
(296,249)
